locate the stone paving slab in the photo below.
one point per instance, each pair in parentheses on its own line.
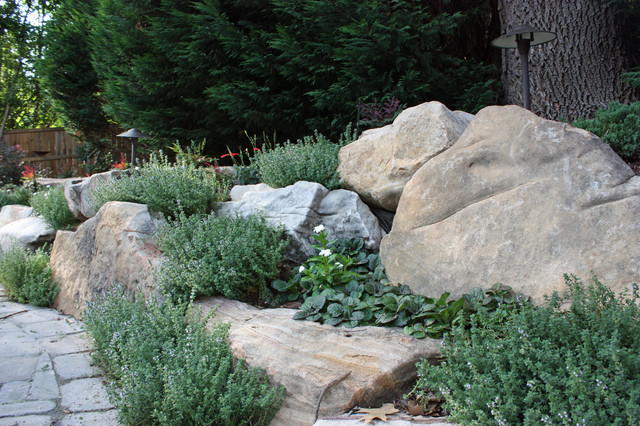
(26,421)
(28,407)
(75,366)
(84,395)
(17,368)
(68,344)
(95,418)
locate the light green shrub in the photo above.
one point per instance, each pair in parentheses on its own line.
(26,276)
(168,369)
(619,126)
(312,159)
(166,188)
(12,194)
(52,206)
(545,365)
(232,257)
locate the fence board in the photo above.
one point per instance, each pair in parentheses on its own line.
(60,148)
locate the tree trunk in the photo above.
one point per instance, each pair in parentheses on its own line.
(577,73)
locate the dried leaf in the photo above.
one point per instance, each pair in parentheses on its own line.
(377,413)
(414,408)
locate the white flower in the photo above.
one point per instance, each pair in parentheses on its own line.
(301,269)
(325,252)
(339,265)
(318,229)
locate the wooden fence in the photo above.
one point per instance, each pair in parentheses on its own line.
(52,148)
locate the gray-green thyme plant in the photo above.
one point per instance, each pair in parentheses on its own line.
(26,276)
(313,159)
(166,188)
(52,205)
(229,256)
(167,368)
(545,365)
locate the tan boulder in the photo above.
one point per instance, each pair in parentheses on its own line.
(114,246)
(518,200)
(379,164)
(305,357)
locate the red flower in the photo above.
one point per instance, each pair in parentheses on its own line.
(28,173)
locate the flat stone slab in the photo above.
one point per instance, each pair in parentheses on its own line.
(369,363)
(17,368)
(85,395)
(94,418)
(58,327)
(26,421)
(28,407)
(75,366)
(14,392)
(68,344)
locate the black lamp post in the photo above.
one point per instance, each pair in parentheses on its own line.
(522,38)
(134,134)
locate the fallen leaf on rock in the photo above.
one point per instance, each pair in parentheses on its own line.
(377,413)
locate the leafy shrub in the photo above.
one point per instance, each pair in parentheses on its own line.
(345,284)
(233,257)
(167,369)
(165,188)
(52,206)
(12,194)
(619,126)
(26,276)
(313,159)
(544,365)
(10,164)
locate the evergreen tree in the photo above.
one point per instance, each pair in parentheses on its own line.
(217,68)
(67,72)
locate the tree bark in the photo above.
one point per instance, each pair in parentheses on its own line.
(577,73)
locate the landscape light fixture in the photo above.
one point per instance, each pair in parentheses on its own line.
(522,38)
(134,134)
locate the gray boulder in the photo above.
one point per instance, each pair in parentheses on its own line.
(13,212)
(518,200)
(78,193)
(373,362)
(114,246)
(30,232)
(303,206)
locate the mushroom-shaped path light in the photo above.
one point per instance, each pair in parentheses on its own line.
(523,38)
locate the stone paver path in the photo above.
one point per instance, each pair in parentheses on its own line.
(46,372)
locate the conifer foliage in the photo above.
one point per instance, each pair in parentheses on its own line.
(217,68)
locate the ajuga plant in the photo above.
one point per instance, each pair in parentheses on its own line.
(544,365)
(345,284)
(166,367)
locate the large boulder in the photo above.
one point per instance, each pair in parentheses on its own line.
(29,232)
(114,246)
(78,193)
(379,164)
(518,200)
(303,206)
(306,356)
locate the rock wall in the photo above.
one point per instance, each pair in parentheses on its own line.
(116,245)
